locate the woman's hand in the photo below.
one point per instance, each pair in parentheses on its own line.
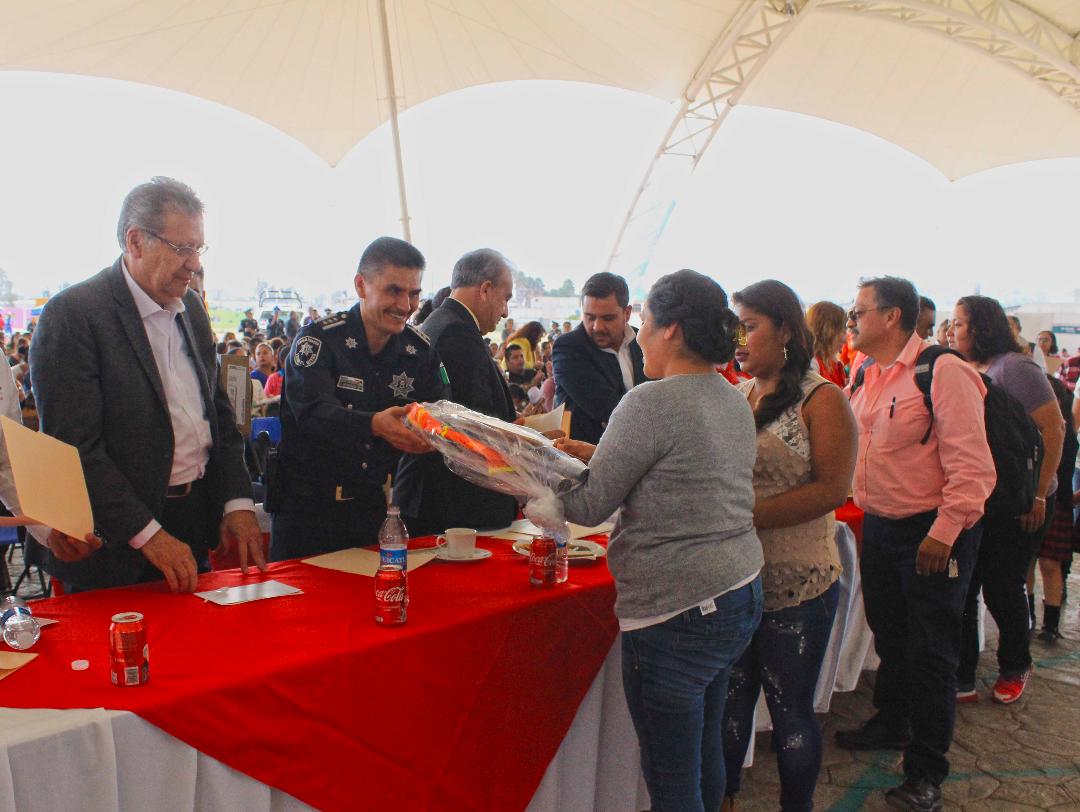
(576,448)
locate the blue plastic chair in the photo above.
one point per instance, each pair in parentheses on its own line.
(271,425)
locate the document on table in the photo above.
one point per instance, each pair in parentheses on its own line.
(365,562)
(11,661)
(49,480)
(229,595)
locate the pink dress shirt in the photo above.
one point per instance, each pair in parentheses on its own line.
(896,476)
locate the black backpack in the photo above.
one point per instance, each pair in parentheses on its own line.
(1015,441)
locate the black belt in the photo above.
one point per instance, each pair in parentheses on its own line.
(332,493)
(180,491)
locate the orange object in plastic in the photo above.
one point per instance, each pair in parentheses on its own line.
(423,420)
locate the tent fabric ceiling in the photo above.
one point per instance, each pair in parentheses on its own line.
(314,68)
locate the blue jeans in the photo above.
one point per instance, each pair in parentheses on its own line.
(785,658)
(675,675)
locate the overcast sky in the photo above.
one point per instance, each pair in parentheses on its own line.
(543,171)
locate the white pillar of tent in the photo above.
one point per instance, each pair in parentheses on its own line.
(391,95)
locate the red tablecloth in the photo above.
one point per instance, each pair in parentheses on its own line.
(852,516)
(461,708)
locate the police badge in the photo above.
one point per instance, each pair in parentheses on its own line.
(307,351)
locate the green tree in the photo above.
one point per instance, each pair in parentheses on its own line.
(7,290)
(565,289)
(526,287)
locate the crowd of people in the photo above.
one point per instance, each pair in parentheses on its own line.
(722,435)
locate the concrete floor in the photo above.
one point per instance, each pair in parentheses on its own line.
(1024,756)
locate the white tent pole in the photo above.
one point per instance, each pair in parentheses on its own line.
(391,94)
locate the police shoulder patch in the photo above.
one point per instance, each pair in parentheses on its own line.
(333,320)
(306,351)
(419,333)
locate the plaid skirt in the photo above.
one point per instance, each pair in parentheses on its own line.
(1057,544)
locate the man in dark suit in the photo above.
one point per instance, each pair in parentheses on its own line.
(600,361)
(429,495)
(125,369)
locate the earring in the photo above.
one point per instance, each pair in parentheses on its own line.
(785,353)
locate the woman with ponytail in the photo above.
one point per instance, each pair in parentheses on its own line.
(677,457)
(806,444)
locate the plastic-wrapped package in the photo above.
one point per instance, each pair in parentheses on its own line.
(495,454)
(501,456)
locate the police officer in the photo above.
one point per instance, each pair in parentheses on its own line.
(347,380)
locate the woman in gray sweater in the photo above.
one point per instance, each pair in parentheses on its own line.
(677,461)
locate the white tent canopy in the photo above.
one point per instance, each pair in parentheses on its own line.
(965,84)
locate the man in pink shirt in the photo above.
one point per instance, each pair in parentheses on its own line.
(923,503)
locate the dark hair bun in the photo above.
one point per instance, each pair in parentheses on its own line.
(699,306)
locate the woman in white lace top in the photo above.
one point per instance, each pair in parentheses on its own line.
(806,445)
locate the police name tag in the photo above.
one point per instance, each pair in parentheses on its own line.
(355,384)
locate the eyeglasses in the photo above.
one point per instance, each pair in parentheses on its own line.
(740,334)
(855,315)
(185,251)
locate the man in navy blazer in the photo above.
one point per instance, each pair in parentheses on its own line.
(125,369)
(430,496)
(599,361)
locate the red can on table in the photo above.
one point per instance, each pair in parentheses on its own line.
(391,595)
(542,563)
(129,652)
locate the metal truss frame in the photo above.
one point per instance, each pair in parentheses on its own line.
(1005,30)
(734,60)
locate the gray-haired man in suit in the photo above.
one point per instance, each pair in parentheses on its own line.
(125,369)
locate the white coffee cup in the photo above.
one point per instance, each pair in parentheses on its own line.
(460,542)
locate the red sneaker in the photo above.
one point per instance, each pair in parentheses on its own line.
(1007,691)
(966,696)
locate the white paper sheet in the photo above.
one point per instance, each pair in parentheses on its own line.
(49,480)
(549,421)
(229,595)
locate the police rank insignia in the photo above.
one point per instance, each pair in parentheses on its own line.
(350,342)
(402,386)
(307,351)
(410,349)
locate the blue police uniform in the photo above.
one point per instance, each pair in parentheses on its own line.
(331,468)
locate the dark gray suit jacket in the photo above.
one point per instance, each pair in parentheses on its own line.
(429,495)
(589,381)
(97,387)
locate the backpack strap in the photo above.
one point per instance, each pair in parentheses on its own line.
(860,374)
(924,377)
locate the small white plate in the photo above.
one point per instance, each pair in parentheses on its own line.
(579,549)
(479,554)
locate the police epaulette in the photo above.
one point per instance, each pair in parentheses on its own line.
(419,333)
(336,320)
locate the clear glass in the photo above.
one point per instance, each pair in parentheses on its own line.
(20,630)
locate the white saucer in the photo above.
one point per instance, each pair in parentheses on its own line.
(479,554)
(580,549)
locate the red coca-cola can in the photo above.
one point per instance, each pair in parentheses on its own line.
(129,652)
(542,563)
(391,595)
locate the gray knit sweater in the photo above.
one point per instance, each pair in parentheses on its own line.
(678,456)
